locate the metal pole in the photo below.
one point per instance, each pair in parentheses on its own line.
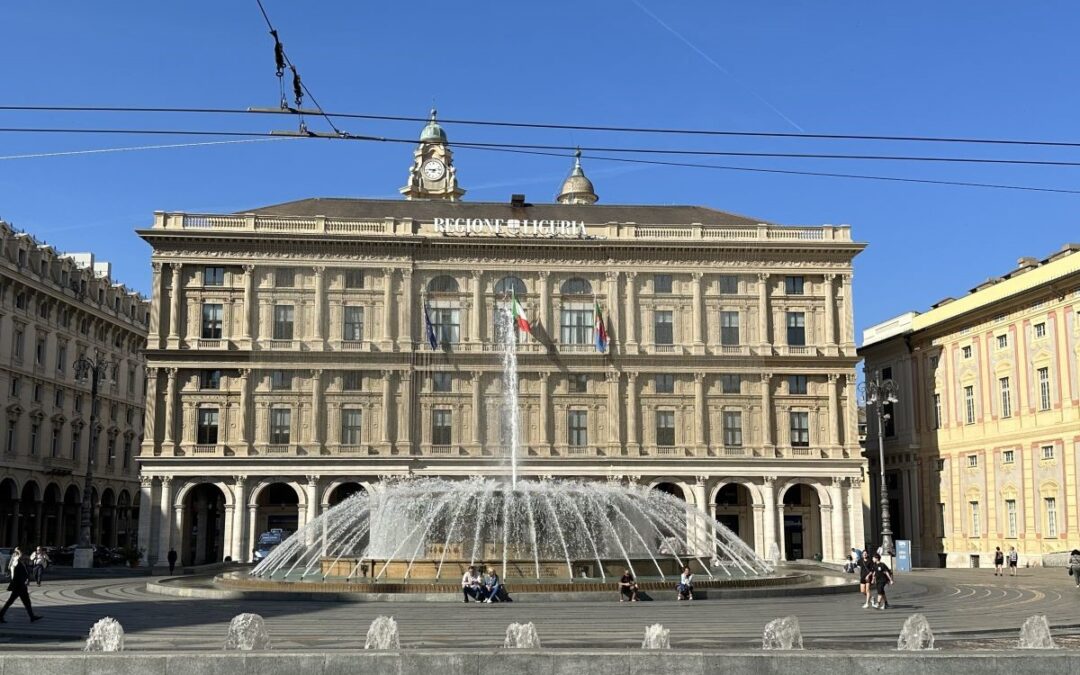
(886,526)
(87,505)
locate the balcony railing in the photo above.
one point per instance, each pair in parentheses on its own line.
(281,344)
(208,450)
(204,343)
(280,450)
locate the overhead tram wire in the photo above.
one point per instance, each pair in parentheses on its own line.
(547,126)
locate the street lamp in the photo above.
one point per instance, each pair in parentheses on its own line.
(96,370)
(878,392)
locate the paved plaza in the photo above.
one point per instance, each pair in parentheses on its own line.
(966,608)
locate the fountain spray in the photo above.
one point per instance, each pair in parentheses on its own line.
(511,416)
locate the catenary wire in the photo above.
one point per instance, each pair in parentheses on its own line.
(135,148)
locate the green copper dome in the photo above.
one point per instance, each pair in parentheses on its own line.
(433,133)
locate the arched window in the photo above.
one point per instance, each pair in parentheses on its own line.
(508,285)
(576,286)
(443,284)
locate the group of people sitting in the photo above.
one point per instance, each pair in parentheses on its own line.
(628,588)
(483,587)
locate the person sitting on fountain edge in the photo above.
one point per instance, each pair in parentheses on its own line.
(628,588)
(492,586)
(471,584)
(686,585)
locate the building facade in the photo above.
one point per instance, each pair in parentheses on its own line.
(291,359)
(54,310)
(982,448)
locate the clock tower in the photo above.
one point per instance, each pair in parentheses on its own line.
(432,174)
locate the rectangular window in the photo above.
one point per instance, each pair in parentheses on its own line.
(730,384)
(941,519)
(796,329)
(446,324)
(1050,504)
(352,327)
(965,352)
(78,402)
(10,447)
(1044,388)
(211,321)
(354,278)
(58,398)
(793,285)
(352,380)
(576,324)
(441,382)
(210,379)
(280,426)
(1002,341)
(662,327)
(1006,397)
(15,383)
(934,361)
(76,438)
(976,524)
(54,446)
(729,284)
(577,428)
(131,381)
(284,277)
(127,452)
(729,328)
(937,411)
(661,283)
(1040,330)
(800,429)
(939,465)
(969,404)
(39,352)
(1008,456)
(208,426)
(664,384)
(665,428)
(110,451)
(973,461)
(796,384)
(281,379)
(213,276)
(37,393)
(35,433)
(732,428)
(283,322)
(17,346)
(61,358)
(577,383)
(1047,452)
(1010,518)
(350,426)
(441,426)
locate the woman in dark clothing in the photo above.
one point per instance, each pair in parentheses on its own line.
(882,577)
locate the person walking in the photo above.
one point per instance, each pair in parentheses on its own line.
(39,561)
(20,581)
(999,561)
(1074,566)
(1014,558)
(865,571)
(172,560)
(882,577)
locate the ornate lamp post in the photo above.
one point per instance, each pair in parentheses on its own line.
(878,392)
(96,370)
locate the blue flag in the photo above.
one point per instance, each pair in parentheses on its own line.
(429,330)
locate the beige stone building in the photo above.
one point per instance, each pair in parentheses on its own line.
(983,445)
(54,309)
(290,362)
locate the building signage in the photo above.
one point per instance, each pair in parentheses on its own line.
(903,555)
(510,227)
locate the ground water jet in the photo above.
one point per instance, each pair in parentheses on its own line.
(782,634)
(247,632)
(107,635)
(521,636)
(915,635)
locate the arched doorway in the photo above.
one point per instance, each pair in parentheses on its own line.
(30,516)
(107,519)
(671,489)
(9,512)
(801,526)
(69,519)
(278,509)
(202,525)
(342,492)
(735,511)
(53,512)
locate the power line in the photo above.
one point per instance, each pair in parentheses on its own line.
(557,126)
(134,148)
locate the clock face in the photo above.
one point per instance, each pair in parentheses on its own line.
(434,169)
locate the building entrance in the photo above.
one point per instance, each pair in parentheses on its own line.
(793,537)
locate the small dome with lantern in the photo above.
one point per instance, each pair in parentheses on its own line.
(577,188)
(433,133)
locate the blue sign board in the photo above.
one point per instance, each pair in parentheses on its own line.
(903,555)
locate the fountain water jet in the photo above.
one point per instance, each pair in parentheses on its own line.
(510,412)
(915,635)
(107,635)
(521,636)
(656,637)
(1035,633)
(382,634)
(782,634)
(247,632)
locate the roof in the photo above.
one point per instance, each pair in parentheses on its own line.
(340,207)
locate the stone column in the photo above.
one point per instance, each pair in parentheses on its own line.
(252,530)
(766,414)
(317,333)
(146,518)
(631,313)
(475,316)
(699,312)
(174,306)
(632,446)
(386,401)
(239,511)
(405,421)
(477,402)
(764,338)
(836,496)
(614,423)
(700,538)
(154,330)
(246,330)
(245,413)
(316,407)
(388,303)
(545,304)
(150,415)
(855,512)
(613,307)
(545,410)
(168,446)
(834,412)
(405,330)
(165,526)
(847,328)
(768,494)
(830,310)
(311,494)
(178,533)
(701,414)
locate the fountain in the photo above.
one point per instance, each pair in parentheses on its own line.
(915,635)
(425,531)
(382,634)
(782,634)
(521,636)
(1035,633)
(247,632)
(656,637)
(107,635)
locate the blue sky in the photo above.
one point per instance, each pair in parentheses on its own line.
(921,68)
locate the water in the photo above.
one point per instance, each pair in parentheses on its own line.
(107,635)
(521,636)
(656,637)
(511,416)
(382,634)
(247,632)
(774,554)
(782,634)
(915,635)
(1035,633)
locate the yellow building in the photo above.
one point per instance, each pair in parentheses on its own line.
(982,449)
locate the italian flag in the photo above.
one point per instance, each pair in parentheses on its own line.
(519,315)
(600,334)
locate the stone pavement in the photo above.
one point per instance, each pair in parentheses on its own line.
(969,608)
